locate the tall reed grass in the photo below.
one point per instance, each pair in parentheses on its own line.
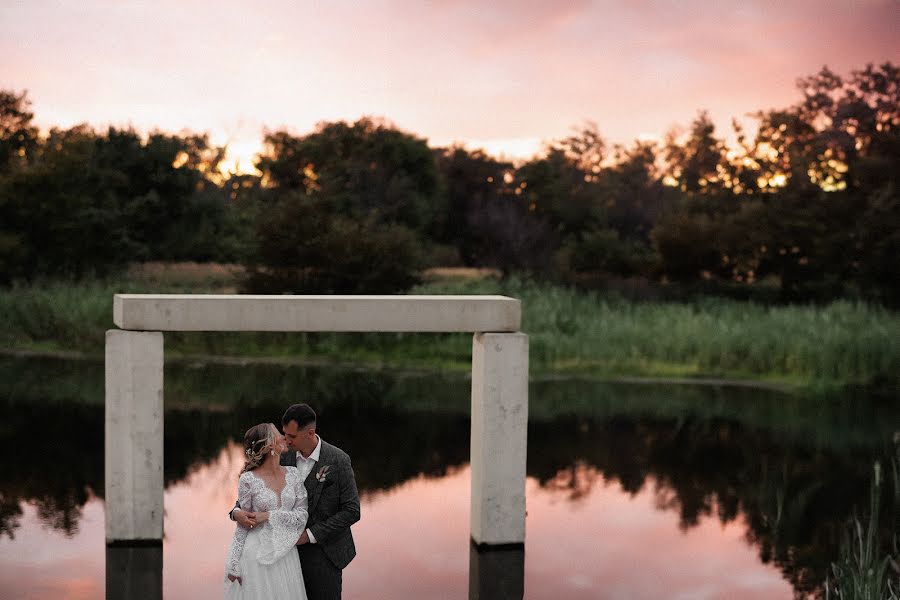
(864,571)
(570,332)
(575,331)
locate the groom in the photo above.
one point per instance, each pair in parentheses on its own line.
(326,547)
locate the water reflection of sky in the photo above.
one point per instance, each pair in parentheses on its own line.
(413,543)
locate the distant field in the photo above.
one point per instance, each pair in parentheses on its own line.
(225,277)
(571,332)
(212,277)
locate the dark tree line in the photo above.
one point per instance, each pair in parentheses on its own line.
(805,208)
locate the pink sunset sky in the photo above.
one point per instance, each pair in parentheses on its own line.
(504,75)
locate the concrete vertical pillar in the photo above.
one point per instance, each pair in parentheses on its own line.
(134,437)
(499,437)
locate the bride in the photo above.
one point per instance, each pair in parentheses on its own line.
(262,561)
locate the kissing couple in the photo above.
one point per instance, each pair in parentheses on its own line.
(295,491)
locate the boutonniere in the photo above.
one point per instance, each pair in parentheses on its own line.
(322,473)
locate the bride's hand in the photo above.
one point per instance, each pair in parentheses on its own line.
(262,517)
(234,577)
(245,519)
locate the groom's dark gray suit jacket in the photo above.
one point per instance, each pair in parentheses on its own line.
(333,502)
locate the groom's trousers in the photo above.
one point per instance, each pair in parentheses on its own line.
(322,579)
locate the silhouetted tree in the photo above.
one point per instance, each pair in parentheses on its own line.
(697,165)
(90,203)
(556,189)
(473,183)
(305,248)
(367,169)
(18,137)
(510,238)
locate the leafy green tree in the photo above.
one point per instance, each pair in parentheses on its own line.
(628,199)
(18,137)
(562,187)
(163,186)
(604,252)
(698,164)
(878,245)
(585,148)
(511,238)
(685,240)
(811,202)
(633,193)
(56,218)
(305,248)
(367,169)
(89,203)
(842,138)
(472,182)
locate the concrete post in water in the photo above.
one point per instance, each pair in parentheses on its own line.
(496,572)
(134,437)
(499,437)
(134,572)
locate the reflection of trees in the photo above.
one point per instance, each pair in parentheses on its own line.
(793,469)
(388,446)
(54,461)
(58,458)
(795,498)
(576,480)
(10,513)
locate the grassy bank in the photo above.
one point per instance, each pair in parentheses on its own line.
(571,332)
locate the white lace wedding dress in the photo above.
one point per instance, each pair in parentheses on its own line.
(265,557)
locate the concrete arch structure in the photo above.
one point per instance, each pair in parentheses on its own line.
(134,390)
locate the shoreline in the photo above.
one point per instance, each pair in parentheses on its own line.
(407,369)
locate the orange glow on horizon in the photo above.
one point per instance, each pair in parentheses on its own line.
(503,77)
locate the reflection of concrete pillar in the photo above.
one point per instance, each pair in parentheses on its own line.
(134,436)
(134,572)
(499,437)
(497,572)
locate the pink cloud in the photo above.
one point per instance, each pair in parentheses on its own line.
(447,70)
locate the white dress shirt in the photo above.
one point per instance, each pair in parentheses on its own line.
(305,466)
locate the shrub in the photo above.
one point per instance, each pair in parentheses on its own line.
(303,248)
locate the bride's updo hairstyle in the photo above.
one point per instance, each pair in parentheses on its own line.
(259,443)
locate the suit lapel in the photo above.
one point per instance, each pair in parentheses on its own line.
(310,482)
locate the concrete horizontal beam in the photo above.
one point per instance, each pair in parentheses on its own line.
(195,312)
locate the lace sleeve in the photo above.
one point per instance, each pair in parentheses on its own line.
(285,524)
(233,564)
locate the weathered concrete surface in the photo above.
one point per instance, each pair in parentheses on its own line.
(175,312)
(134,436)
(499,437)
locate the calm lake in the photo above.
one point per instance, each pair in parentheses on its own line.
(633,491)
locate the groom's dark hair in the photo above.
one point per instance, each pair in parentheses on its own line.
(302,413)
